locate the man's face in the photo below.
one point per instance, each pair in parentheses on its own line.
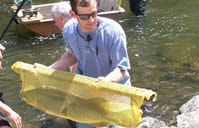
(60,21)
(57,22)
(86,17)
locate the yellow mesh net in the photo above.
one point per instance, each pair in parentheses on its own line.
(81,98)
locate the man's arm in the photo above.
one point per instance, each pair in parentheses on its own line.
(11,114)
(115,76)
(64,62)
(118,56)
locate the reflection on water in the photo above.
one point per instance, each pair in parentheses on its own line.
(163,50)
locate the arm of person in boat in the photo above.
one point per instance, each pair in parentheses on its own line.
(2,48)
(11,114)
(115,76)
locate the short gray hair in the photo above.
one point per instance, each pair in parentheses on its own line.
(61,9)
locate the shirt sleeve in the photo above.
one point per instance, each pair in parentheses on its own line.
(68,34)
(118,51)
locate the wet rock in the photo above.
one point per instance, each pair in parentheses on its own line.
(147,107)
(189,117)
(191,105)
(190,114)
(188,120)
(149,122)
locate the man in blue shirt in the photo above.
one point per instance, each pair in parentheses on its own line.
(97,44)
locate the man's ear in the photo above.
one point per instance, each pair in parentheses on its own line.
(72,13)
(61,18)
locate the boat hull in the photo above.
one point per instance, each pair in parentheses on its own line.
(43,28)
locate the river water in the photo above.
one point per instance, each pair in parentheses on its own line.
(163,50)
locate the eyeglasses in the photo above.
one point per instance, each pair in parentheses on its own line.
(86,16)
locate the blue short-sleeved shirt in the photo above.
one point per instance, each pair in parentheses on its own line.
(101,52)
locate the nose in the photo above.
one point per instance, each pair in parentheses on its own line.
(91,19)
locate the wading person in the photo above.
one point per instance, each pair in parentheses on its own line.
(6,109)
(97,45)
(138,7)
(61,15)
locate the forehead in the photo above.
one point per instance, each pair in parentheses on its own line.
(92,6)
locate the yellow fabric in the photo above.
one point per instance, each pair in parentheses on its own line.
(81,98)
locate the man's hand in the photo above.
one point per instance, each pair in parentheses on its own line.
(40,65)
(103,78)
(15,118)
(115,76)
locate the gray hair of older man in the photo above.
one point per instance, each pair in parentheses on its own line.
(61,9)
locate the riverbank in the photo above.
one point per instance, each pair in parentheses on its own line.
(188,117)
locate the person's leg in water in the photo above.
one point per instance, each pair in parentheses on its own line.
(138,7)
